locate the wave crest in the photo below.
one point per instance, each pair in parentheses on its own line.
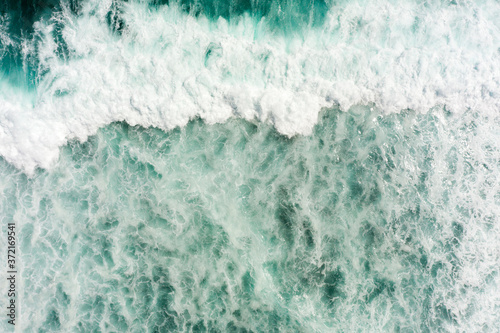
(164,67)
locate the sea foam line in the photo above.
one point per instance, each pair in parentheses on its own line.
(167,67)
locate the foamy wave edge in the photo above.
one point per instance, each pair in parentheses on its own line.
(168,67)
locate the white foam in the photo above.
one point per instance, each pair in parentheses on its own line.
(157,73)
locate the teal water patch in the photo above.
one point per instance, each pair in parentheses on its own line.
(380,223)
(18,65)
(19,21)
(282,15)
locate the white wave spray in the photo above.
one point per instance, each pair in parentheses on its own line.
(167,67)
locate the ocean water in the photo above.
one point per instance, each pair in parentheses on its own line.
(251,166)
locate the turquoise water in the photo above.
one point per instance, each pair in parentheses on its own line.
(251,166)
(367,224)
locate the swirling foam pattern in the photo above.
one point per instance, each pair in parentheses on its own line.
(252,166)
(372,223)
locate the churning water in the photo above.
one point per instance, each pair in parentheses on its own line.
(252,166)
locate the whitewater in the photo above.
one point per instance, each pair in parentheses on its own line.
(166,67)
(252,166)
